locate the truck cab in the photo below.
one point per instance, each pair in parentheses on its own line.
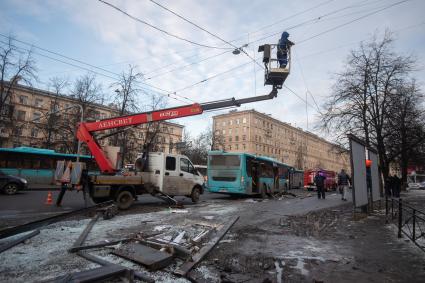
(175,175)
(156,173)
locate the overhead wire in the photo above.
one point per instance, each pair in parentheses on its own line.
(175,93)
(157,28)
(205,30)
(314,20)
(116,76)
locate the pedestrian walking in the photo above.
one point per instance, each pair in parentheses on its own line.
(65,180)
(396,182)
(343,183)
(319,180)
(389,187)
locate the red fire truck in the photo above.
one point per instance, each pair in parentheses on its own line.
(330,182)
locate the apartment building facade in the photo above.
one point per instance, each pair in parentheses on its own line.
(260,134)
(26,122)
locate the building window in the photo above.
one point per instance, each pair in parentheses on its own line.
(231,122)
(224,123)
(38,102)
(230,139)
(230,147)
(236,131)
(36,117)
(244,129)
(230,131)
(224,132)
(23,99)
(20,115)
(244,120)
(244,137)
(237,121)
(259,138)
(236,146)
(236,138)
(244,146)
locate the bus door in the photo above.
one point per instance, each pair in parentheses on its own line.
(255,168)
(276,179)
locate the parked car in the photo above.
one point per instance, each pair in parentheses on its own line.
(10,185)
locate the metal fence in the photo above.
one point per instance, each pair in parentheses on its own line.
(409,220)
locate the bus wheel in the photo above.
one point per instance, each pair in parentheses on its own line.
(124,199)
(10,189)
(196,193)
(264,192)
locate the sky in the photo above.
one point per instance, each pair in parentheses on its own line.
(95,37)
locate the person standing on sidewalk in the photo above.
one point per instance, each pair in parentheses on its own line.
(65,180)
(319,180)
(396,182)
(343,182)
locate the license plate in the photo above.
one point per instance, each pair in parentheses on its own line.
(223,190)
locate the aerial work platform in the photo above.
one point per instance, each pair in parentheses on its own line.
(276,69)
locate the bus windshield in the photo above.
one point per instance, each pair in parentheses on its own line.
(226,161)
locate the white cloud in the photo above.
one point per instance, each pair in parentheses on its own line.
(320,57)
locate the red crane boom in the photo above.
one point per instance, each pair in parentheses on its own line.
(85,130)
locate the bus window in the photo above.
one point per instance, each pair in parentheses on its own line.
(36,164)
(229,161)
(249,166)
(266,170)
(13,164)
(45,163)
(27,164)
(283,172)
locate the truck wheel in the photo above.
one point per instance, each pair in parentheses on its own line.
(196,193)
(10,189)
(124,199)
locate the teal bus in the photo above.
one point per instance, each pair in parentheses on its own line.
(246,174)
(37,165)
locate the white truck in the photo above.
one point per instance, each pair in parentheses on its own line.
(163,175)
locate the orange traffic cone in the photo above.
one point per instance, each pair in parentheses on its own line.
(49,199)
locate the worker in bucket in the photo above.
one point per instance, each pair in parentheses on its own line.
(283,47)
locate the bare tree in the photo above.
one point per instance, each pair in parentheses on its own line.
(362,95)
(15,66)
(86,91)
(216,138)
(152,140)
(126,96)
(52,121)
(406,126)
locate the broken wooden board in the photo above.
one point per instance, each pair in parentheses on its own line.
(99,245)
(18,241)
(137,274)
(79,242)
(188,265)
(98,274)
(149,257)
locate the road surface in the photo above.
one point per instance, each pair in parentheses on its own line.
(31,205)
